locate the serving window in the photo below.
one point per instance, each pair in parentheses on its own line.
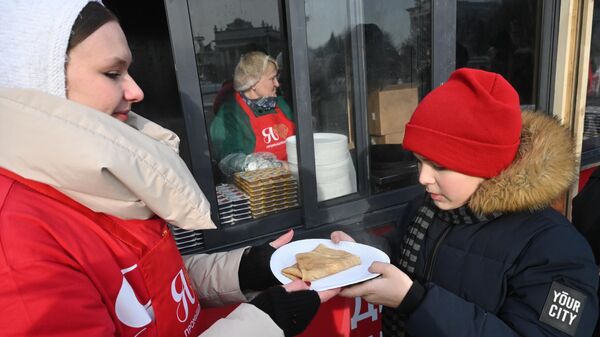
(590,155)
(246,137)
(350,71)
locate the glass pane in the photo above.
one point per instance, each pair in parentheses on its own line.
(397,37)
(249,114)
(591,129)
(501,36)
(390,41)
(330,28)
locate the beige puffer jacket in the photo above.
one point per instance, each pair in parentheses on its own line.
(131,171)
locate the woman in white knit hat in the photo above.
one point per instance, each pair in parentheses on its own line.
(87,188)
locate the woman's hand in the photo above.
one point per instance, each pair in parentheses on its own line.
(389,289)
(324,295)
(295,286)
(338,236)
(283,239)
(254,272)
(291,306)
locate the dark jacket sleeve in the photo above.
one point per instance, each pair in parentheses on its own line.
(586,213)
(442,313)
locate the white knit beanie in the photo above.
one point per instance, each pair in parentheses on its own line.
(34,35)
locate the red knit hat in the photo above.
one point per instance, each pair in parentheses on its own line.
(471,124)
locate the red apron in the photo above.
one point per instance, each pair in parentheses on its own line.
(174,304)
(270,131)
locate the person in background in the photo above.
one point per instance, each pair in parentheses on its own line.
(227,90)
(253,119)
(87,188)
(586,214)
(586,218)
(483,253)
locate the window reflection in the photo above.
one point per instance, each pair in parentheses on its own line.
(500,36)
(591,130)
(242,66)
(397,38)
(394,37)
(330,25)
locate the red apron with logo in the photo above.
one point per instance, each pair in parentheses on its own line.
(174,306)
(270,131)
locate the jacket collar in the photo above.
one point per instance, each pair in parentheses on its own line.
(131,171)
(544,168)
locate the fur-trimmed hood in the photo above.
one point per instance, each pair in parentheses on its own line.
(544,167)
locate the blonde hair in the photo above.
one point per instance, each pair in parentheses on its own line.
(250,68)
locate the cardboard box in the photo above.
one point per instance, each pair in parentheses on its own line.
(390,109)
(390,138)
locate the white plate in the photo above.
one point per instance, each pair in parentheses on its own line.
(285,256)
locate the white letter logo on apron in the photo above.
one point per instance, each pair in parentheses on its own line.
(269,135)
(128,308)
(181,296)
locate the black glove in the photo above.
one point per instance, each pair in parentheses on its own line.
(292,311)
(254,272)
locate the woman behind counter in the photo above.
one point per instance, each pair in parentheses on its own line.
(254,118)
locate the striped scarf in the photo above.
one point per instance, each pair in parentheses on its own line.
(262,104)
(392,323)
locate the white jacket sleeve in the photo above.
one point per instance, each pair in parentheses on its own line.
(245,320)
(215,277)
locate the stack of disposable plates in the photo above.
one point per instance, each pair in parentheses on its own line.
(334,169)
(234,205)
(188,241)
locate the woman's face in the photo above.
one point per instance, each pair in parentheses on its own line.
(97,73)
(267,85)
(448,189)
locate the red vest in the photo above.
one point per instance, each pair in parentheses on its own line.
(152,295)
(270,131)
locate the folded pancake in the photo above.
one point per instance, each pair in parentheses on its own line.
(320,262)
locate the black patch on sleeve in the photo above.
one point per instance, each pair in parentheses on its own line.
(563,308)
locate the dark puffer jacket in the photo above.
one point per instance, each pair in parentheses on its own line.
(528,272)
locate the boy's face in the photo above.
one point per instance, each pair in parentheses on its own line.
(448,189)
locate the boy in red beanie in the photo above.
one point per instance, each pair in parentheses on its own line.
(483,254)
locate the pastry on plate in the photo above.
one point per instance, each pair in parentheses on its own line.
(320,262)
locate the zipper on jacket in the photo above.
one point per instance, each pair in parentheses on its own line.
(431,261)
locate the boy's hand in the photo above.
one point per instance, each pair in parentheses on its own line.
(389,289)
(338,236)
